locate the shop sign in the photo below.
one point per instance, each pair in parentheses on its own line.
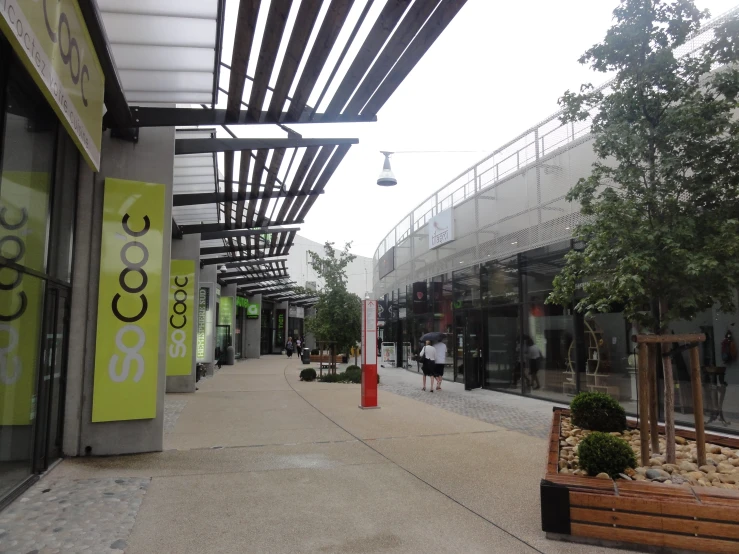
(129,300)
(23,217)
(51,39)
(382,310)
(203,352)
(242,302)
(225,315)
(441,228)
(252,311)
(420,297)
(280,327)
(388,353)
(180,322)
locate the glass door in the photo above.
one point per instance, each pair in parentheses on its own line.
(52,378)
(469,348)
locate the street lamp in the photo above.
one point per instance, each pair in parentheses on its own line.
(387,177)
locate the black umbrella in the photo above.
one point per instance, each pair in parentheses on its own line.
(434,336)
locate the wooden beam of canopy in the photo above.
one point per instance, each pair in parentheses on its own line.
(197,198)
(237,233)
(241,259)
(215,227)
(194,117)
(204,146)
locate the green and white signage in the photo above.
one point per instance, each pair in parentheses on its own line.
(252,311)
(52,41)
(181,317)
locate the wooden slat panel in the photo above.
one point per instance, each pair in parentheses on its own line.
(325,40)
(655,539)
(656,506)
(246,24)
(311,178)
(378,35)
(256,181)
(308,156)
(274,166)
(395,47)
(243,181)
(718,496)
(228,171)
(305,21)
(673,492)
(574,481)
(423,41)
(273,30)
(323,180)
(656,523)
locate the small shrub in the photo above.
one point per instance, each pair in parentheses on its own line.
(331,378)
(598,412)
(353,368)
(308,374)
(604,453)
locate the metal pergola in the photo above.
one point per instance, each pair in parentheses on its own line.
(264,186)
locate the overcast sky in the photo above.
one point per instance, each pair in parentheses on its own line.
(497,70)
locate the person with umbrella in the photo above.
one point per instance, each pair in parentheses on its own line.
(428,361)
(440,347)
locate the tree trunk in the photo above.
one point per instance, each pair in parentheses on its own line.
(669,390)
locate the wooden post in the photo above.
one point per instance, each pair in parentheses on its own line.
(653,399)
(644,403)
(700,432)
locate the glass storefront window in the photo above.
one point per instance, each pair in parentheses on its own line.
(467,287)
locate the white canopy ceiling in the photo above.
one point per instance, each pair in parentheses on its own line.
(164,49)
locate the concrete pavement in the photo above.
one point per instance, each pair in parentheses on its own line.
(257,461)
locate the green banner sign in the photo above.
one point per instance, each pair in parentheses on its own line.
(225,314)
(23,215)
(51,39)
(181,315)
(242,302)
(129,300)
(252,311)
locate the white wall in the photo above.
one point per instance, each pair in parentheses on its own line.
(359,272)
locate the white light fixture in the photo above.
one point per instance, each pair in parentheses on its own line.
(514,243)
(386,178)
(222,269)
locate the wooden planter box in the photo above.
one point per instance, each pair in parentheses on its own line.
(639,515)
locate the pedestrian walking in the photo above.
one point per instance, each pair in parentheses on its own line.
(289,347)
(440,348)
(299,343)
(533,353)
(428,364)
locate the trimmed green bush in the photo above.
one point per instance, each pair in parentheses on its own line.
(598,412)
(353,368)
(351,375)
(604,453)
(308,374)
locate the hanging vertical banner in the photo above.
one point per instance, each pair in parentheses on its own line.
(24,201)
(206,308)
(181,316)
(129,300)
(52,40)
(369,354)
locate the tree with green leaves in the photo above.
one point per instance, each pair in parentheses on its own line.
(661,206)
(338,314)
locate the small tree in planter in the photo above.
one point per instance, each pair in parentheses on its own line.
(338,314)
(661,205)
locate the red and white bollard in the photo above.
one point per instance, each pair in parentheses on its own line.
(369,355)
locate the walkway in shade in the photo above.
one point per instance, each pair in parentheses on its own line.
(257,461)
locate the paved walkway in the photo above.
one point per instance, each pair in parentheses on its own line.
(257,461)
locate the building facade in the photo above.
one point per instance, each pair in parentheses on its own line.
(476,262)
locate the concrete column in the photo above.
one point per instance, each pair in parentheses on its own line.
(151,160)
(254,331)
(188,248)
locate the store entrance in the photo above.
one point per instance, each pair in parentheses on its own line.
(503,356)
(52,378)
(469,350)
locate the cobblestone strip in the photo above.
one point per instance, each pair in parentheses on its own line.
(173,406)
(82,516)
(535,423)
